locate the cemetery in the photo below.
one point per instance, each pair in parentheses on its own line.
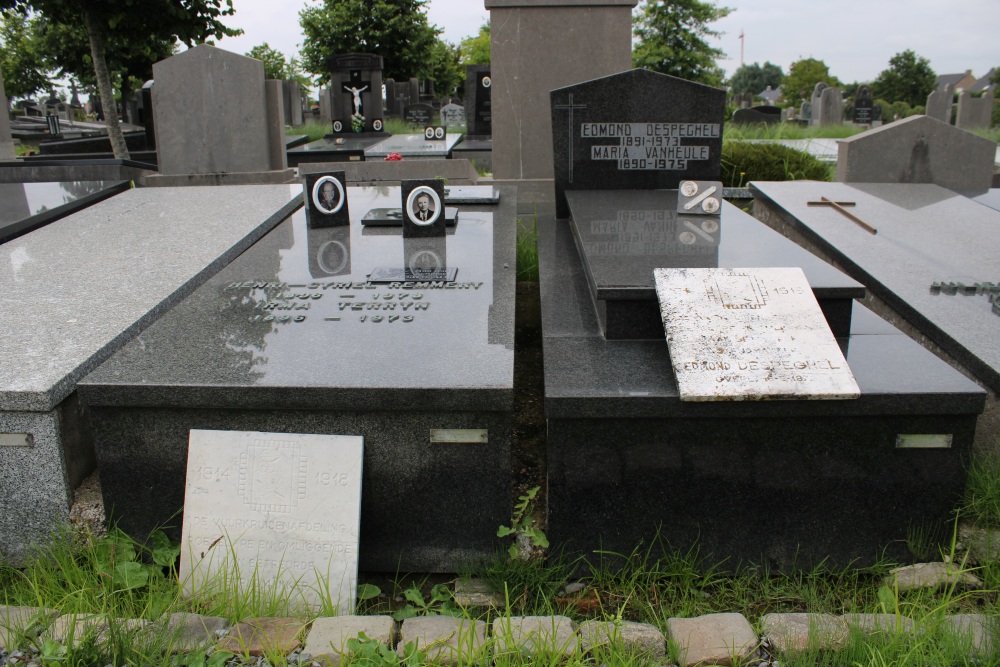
(638,370)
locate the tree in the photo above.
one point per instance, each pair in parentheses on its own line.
(140,23)
(276,66)
(756,78)
(671,36)
(443,68)
(802,77)
(397,30)
(476,50)
(909,79)
(21,61)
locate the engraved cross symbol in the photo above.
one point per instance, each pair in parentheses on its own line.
(570,106)
(839,206)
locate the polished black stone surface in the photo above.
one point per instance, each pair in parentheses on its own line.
(28,206)
(291,337)
(926,234)
(623,235)
(783,483)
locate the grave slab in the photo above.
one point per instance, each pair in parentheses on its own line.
(445,639)
(328,636)
(187,632)
(15,621)
(640,637)
(28,206)
(797,632)
(926,234)
(534,635)
(330,149)
(413,146)
(267,634)
(283,507)
(291,338)
(713,639)
(83,286)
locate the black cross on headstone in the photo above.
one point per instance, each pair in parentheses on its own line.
(356,84)
(572,137)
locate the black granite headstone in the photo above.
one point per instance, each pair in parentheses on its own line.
(435,133)
(762,115)
(356,91)
(863,106)
(326,200)
(419,114)
(423,208)
(478,104)
(638,130)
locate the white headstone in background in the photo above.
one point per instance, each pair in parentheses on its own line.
(286,506)
(749,334)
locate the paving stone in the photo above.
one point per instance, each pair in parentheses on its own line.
(476,593)
(870,623)
(15,620)
(977,629)
(445,639)
(983,544)
(535,634)
(254,636)
(930,575)
(76,627)
(714,639)
(640,637)
(188,631)
(328,637)
(790,633)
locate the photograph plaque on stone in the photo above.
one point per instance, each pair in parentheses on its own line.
(749,334)
(286,507)
(326,200)
(423,208)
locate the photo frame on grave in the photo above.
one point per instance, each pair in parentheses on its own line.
(326,200)
(435,133)
(423,208)
(699,197)
(329,251)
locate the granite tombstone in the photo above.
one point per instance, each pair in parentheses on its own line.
(939,104)
(356,94)
(419,114)
(863,106)
(759,115)
(452,115)
(478,105)
(974,112)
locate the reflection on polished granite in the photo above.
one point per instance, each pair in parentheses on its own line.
(28,206)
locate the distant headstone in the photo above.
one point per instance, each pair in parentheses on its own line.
(918,149)
(805,111)
(324,105)
(6,139)
(291,92)
(210,113)
(478,101)
(939,104)
(419,114)
(413,91)
(356,91)
(831,107)
(974,112)
(147,115)
(864,104)
(815,102)
(286,507)
(452,114)
(390,98)
(637,130)
(761,115)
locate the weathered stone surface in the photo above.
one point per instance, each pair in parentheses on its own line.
(254,636)
(930,575)
(74,628)
(328,637)
(871,623)
(976,629)
(714,639)
(476,593)
(15,621)
(639,637)
(982,544)
(445,639)
(535,634)
(186,631)
(791,633)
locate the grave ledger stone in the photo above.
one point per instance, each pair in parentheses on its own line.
(84,295)
(478,101)
(299,336)
(537,46)
(635,130)
(356,94)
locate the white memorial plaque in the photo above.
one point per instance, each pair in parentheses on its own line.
(286,507)
(749,334)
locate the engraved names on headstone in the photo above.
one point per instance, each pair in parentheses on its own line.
(863,106)
(452,114)
(749,334)
(478,101)
(286,506)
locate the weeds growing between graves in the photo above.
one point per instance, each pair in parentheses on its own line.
(778,131)
(527,250)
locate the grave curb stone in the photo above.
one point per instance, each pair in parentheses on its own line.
(254,636)
(641,637)
(930,575)
(476,593)
(713,639)
(975,629)
(887,623)
(534,634)
(188,632)
(330,634)
(80,626)
(19,619)
(446,639)
(797,632)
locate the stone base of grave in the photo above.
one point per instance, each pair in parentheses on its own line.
(73,170)
(275,177)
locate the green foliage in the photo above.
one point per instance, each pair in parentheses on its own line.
(672,39)
(755,78)
(743,162)
(440,602)
(909,79)
(363,651)
(443,68)
(22,62)
(397,30)
(524,527)
(476,50)
(276,66)
(802,77)
(527,251)
(982,490)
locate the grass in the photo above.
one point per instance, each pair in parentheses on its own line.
(778,131)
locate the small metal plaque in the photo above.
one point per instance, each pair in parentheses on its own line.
(16,440)
(923,441)
(393,217)
(699,197)
(469,436)
(392,275)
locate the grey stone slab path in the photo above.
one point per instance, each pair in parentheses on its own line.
(713,639)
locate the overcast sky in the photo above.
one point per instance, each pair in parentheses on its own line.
(856,38)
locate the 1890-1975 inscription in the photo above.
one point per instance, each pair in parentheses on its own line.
(651,146)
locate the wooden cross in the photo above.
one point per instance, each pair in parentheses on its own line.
(570,106)
(839,206)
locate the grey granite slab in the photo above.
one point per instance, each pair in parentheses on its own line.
(413,145)
(28,206)
(75,290)
(925,234)
(471,194)
(990,198)
(297,313)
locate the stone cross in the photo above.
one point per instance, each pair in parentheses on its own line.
(570,106)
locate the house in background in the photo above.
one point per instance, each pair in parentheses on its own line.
(958,82)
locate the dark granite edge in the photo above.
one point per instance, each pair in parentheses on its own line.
(47,161)
(46,400)
(45,217)
(983,371)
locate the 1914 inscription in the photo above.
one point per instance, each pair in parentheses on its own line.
(651,146)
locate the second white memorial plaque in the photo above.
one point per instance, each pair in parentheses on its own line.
(749,334)
(275,510)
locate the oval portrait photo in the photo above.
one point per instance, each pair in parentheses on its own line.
(423,206)
(328,195)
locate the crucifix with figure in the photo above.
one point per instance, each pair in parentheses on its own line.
(356,86)
(572,136)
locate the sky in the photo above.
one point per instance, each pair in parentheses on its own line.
(855,38)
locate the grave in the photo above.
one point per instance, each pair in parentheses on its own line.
(816,102)
(478,101)
(413,146)
(27,206)
(214,121)
(291,97)
(939,104)
(452,115)
(419,114)
(864,106)
(293,337)
(759,115)
(918,149)
(744,480)
(6,140)
(342,148)
(974,112)
(155,246)
(356,95)
(831,107)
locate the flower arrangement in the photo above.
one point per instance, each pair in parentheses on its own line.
(393,157)
(357,122)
